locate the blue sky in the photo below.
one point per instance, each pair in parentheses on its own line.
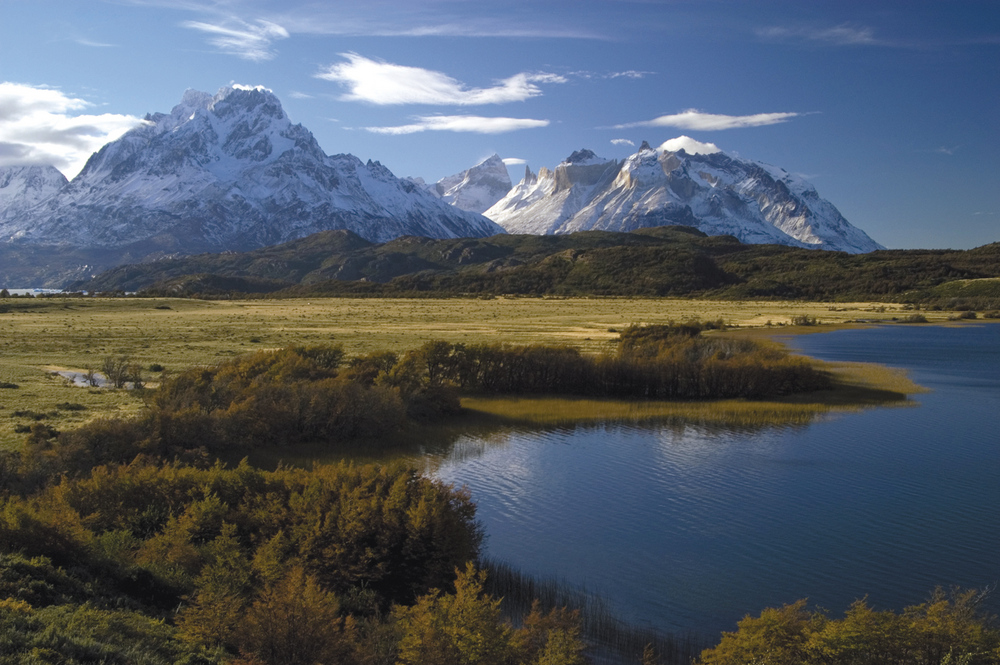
(891,109)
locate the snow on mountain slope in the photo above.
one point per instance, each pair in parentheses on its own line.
(22,187)
(682,181)
(474,189)
(230,172)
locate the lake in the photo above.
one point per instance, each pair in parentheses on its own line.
(687,528)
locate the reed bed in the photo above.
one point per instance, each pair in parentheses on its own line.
(612,640)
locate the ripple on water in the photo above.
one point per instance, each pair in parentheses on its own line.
(691,528)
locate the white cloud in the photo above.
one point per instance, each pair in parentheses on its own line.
(514,161)
(93,44)
(630,74)
(295,94)
(841,35)
(385,83)
(37,126)
(689,145)
(250,41)
(707,122)
(623,142)
(461,123)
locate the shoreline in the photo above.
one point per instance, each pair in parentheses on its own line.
(179,333)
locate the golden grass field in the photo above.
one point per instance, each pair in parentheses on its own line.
(41,336)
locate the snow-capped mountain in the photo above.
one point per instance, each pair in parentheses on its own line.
(229,172)
(22,187)
(684,182)
(477,188)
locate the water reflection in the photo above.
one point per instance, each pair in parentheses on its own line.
(692,523)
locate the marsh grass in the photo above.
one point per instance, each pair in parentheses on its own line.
(611,638)
(856,386)
(40,335)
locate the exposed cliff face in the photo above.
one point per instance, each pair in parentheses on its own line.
(228,172)
(681,182)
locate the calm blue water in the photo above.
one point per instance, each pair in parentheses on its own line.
(691,529)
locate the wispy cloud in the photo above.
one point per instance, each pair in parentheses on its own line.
(694,119)
(385,83)
(93,44)
(295,94)
(38,126)
(250,41)
(461,123)
(628,74)
(840,35)
(946,150)
(391,18)
(623,142)
(514,161)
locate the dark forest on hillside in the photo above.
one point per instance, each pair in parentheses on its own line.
(657,262)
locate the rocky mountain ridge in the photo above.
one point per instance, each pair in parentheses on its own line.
(682,182)
(225,172)
(474,189)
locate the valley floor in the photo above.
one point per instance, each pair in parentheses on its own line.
(74,334)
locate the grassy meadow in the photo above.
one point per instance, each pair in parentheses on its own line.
(41,336)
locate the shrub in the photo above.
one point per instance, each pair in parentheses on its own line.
(945,629)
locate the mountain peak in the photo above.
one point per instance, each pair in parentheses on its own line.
(22,187)
(234,99)
(230,172)
(583,158)
(492,160)
(676,184)
(477,188)
(196,99)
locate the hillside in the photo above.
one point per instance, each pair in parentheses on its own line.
(665,261)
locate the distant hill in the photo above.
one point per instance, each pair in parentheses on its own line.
(665,261)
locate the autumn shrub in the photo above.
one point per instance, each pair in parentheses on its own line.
(651,362)
(386,529)
(948,628)
(467,628)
